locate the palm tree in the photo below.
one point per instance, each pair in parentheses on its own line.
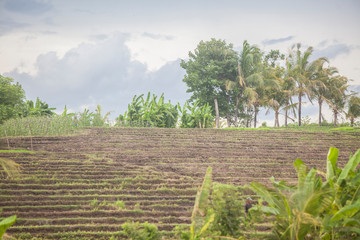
(337,95)
(322,85)
(278,97)
(249,78)
(353,109)
(302,70)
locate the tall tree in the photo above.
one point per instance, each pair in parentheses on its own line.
(249,78)
(321,86)
(353,109)
(337,95)
(275,96)
(11,98)
(302,70)
(209,67)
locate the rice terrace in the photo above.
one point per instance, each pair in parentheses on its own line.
(186,120)
(86,185)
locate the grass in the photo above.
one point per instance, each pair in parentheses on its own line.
(17,151)
(37,126)
(306,128)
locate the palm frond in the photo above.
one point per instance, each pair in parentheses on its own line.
(10,167)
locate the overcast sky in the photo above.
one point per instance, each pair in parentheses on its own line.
(87,52)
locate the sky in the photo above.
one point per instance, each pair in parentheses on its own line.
(82,53)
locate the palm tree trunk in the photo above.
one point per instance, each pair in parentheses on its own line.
(217,113)
(237,109)
(299,109)
(335,117)
(255,117)
(277,119)
(351,121)
(320,107)
(286,113)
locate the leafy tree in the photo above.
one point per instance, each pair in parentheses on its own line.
(11,98)
(209,67)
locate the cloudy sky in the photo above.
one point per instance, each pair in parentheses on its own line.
(87,52)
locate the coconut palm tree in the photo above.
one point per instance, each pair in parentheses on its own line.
(303,71)
(337,95)
(321,83)
(353,109)
(249,78)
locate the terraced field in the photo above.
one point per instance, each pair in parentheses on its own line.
(89,184)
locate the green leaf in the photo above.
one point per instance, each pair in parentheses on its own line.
(331,162)
(301,171)
(206,225)
(350,166)
(203,195)
(270,210)
(6,223)
(346,211)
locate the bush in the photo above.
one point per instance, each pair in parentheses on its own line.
(138,231)
(228,209)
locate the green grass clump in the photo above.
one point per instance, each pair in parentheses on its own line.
(119,204)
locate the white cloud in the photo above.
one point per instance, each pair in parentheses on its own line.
(99,73)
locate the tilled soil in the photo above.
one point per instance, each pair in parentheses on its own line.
(71,184)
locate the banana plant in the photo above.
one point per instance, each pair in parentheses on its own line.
(199,221)
(197,116)
(98,119)
(342,220)
(85,118)
(313,208)
(152,112)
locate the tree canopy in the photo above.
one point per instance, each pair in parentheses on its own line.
(11,98)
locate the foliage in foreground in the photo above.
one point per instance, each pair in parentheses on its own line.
(315,209)
(6,223)
(144,231)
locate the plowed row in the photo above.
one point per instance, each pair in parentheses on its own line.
(155,172)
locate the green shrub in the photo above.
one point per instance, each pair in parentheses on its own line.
(228,210)
(138,231)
